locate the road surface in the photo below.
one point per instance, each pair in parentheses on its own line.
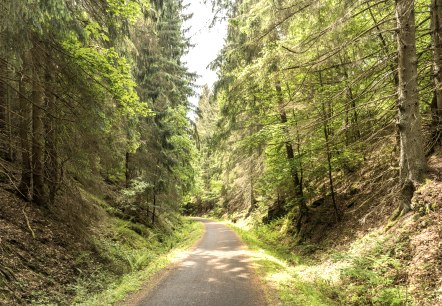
(216,273)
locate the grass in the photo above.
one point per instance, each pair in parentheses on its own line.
(365,274)
(274,264)
(135,258)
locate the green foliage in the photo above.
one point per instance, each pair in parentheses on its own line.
(370,281)
(274,261)
(368,278)
(105,66)
(306,92)
(131,260)
(128,9)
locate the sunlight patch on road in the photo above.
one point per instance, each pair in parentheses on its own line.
(188,263)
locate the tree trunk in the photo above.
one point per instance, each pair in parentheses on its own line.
(25,146)
(326,115)
(329,158)
(154,206)
(252,203)
(352,132)
(52,164)
(3,95)
(436,105)
(11,139)
(3,107)
(38,137)
(393,66)
(412,159)
(297,185)
(128,171)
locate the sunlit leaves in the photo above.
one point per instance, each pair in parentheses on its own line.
(110,71)
(130,10)
(94,31)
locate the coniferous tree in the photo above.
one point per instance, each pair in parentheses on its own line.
(412,158)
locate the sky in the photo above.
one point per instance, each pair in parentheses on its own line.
(208,42)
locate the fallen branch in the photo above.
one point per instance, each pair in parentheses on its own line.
(27,222)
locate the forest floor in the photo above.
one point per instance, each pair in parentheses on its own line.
(58,257)
(366,259)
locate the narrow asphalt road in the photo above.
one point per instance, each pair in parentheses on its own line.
(216,273)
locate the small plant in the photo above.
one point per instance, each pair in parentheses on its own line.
(133,258)
(370,280)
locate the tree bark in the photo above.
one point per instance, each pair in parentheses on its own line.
(38,137)
(3,108)
(11,139)
(412,158)
(327,114)
(329,158)
(3,95)
(297,185)
(52,164)
(352,131)
(436,105)
(252,203)
(25,145)
(128,171)
(154,205)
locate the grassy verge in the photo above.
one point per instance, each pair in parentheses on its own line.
(133,254)
(362,275)
(274,264)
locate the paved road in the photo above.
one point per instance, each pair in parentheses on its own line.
(216,273)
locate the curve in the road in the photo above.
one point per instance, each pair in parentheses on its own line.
(216,273)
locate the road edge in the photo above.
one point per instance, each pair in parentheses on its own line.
(135,297)
(270,294)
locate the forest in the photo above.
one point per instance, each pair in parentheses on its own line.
(319,144)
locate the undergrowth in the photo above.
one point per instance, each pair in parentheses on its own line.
(131,256)
(366,274)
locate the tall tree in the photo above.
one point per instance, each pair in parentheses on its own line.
(24,131)
(412,158)
(297,181)
(436,105)
(38,135)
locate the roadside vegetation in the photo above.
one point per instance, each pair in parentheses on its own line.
(321,140)
(99,265)
(370,270)
(137,256)
(95,147)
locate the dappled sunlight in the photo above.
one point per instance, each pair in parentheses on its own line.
(178,255)
(218,271)
(230,262)
(221,267)
(263,255)
(278,272)
(224,255)
(244,276)
(211,280)
(188,263)
(279,277)
(328,270)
